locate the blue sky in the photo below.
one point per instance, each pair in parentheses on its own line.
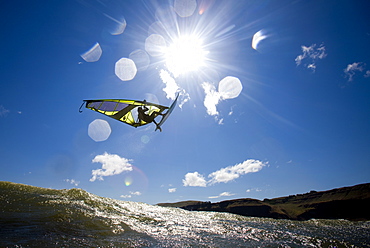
(274,97)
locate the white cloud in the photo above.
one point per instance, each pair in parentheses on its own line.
(224,175)
(312,66)
(250,190)
(299,59)
(112,164)
(172,190)
(72,181)
(136,193)
(3,111)
(211,99)
(228,88)
(310,55)
(320,53)
(367,74)
(194,179)
(172,88)
(230,173)
(226,194)
(351,70)
(126,196)
(221,195)
(171,85)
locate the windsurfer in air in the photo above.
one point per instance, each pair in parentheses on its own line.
(148,118)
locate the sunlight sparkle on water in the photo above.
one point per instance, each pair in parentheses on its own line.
(185,54)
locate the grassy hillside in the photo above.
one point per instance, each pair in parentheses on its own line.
(351,203)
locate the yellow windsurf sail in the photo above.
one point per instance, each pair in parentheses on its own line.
(124,110)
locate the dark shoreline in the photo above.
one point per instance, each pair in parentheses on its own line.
(350,203)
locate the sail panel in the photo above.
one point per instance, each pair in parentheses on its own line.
(123,110)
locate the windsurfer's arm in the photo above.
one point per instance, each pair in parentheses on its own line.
(144,107)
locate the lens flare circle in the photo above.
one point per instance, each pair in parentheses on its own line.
(230,87)
(141,59)
(257,38)
(128,181)
(185,8)
(99,130)
(93,54)
(125,69)
(154,45)
(145,139)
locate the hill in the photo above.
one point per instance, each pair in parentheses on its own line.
(351,203)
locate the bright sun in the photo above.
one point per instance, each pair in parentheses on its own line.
(185,54)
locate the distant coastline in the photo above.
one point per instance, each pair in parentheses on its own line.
(351,203)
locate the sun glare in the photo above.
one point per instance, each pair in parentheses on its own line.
(185,54)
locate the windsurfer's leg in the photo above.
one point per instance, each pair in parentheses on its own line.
(148,118)
(158,127)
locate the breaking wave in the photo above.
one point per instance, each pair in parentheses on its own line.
(39,217)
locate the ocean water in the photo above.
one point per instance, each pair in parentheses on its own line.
(38,217)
